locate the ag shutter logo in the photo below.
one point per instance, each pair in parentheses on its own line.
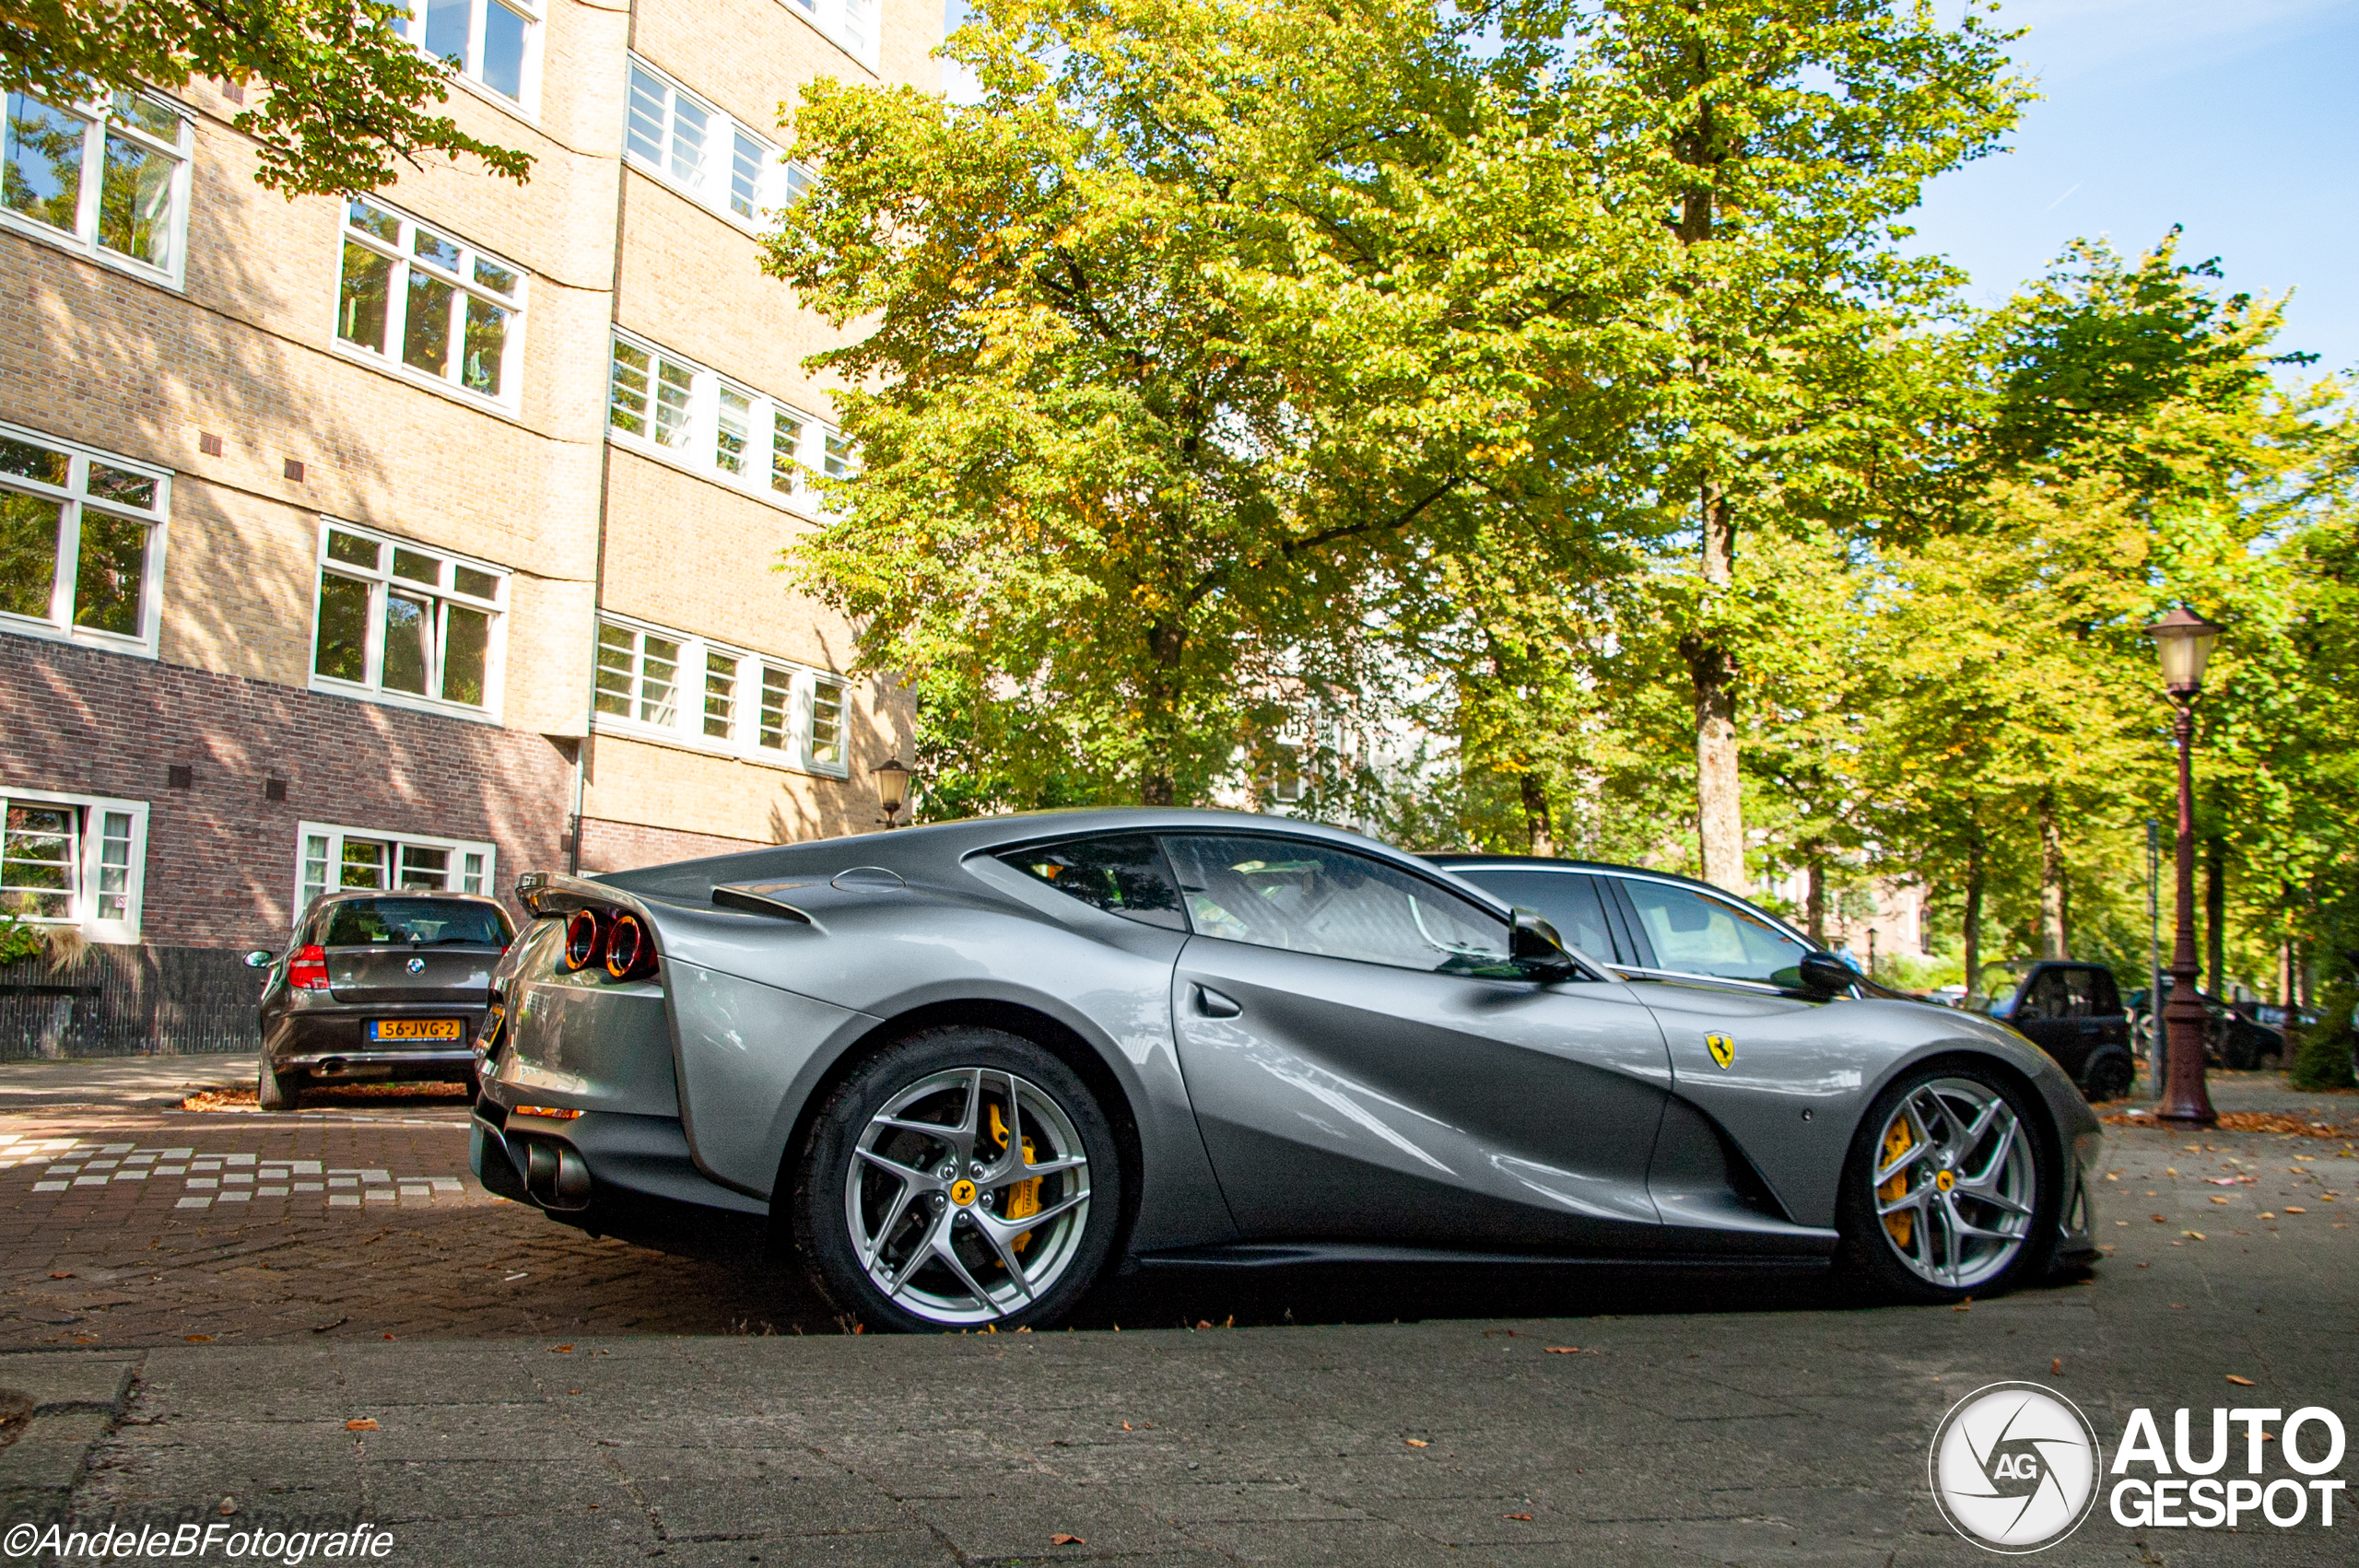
(2014,1467)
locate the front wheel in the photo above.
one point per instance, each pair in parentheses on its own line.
(963,1179)
(2109,1079)
(1951,1190)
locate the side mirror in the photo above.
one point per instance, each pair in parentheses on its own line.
(261,958)
(1535,948)
(1827,975)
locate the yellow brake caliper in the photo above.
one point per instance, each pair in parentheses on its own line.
(1896,1143)
(1024,1198)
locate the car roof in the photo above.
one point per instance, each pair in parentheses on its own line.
(1460,861)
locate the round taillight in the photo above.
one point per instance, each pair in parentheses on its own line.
(585,939)
(630,953)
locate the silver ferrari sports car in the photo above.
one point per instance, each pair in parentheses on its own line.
(972,1068)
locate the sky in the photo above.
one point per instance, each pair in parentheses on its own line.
(2235,119)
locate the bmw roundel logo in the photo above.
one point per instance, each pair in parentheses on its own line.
(417,965)
(2015,1467)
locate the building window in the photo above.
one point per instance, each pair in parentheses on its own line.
(336,858)
(697,418)
(495,43)
(851,23)
(429,304)
(81,539)
(701,152)
(694,692)
(406,624)
(108,178)
(73,859)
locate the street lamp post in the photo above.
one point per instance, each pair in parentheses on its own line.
(2183,641)
(892,789)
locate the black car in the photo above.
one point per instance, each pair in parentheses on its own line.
(1643,922)
(377,985)
(2074,1013)
(2230,1038)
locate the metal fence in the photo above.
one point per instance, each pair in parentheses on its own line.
(129,1001)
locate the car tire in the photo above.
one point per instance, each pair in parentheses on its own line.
(2015,1191)
(2111,1078)
(276,1089)
(905,1228)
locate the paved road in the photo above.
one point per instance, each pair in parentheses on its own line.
(539,1396)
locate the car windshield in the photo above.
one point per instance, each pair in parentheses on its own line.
(417,922)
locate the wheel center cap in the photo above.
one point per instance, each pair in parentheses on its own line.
(1945,1179)
(962,1192)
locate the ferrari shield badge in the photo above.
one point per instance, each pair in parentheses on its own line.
(1723,1049)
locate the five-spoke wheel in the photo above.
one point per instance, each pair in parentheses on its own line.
(1949,1192)
(963,1179)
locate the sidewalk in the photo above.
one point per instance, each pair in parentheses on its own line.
(118,1083)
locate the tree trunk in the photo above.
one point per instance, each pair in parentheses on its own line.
(1815,908)
(1974,877)
(2215,915)
(1719,810)
(1537,832)
(1160,719)
(2055,937)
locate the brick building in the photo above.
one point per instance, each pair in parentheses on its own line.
(421,539)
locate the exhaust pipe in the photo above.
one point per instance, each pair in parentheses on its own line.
(556,1175)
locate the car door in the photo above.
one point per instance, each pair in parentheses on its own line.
(1366,1065)
(2044,1013)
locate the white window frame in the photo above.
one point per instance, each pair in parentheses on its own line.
(403,253)
(335,835)
(852,26)
(100,121)
(443,592)
(76,501)
(653,116)
(535,14)
(817,446)
(802,684)
(123,930)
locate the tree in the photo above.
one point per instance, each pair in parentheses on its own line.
(1187,353)
(345,90)
(1776,143)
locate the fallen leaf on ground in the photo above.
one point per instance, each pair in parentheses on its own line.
(1965,1305)
(1204,1322)
(2056,1367)
(361,1423)
(561,1350)
(1067,1541)
(2219,1201)
(1564,1349)
(2158,1219)
(2240,1382)
(1126,1426)
(2221,1181)
(1418,1443)
(2295,1208)
(67,1275)
(2195,1235)
(2265,1215)
(198,1339)
(1525,1517)
(229,1506)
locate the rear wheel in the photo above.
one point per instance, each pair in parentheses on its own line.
(276,1089)
(963,1179)
(1951,1190)
(2109,1077)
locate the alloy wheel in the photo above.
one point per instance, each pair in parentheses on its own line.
(1955,1183)
(967,1196)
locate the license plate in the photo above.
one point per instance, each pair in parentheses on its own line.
(415,1029)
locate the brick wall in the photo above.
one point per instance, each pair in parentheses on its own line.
(221,858)
(626,845)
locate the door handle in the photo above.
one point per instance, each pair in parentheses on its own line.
(1211,1004)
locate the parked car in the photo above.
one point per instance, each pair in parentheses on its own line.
(970,1067)
(377,985)
(2073,1012)
(2230,1039)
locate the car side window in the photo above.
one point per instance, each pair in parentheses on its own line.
(2105,997)
(1568,899)
(1308,898)
(1696,934)
(1122,875)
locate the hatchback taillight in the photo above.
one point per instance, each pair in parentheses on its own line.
(308,970)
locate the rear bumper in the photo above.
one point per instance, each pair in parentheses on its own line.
(595,1167)
(444,1063)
